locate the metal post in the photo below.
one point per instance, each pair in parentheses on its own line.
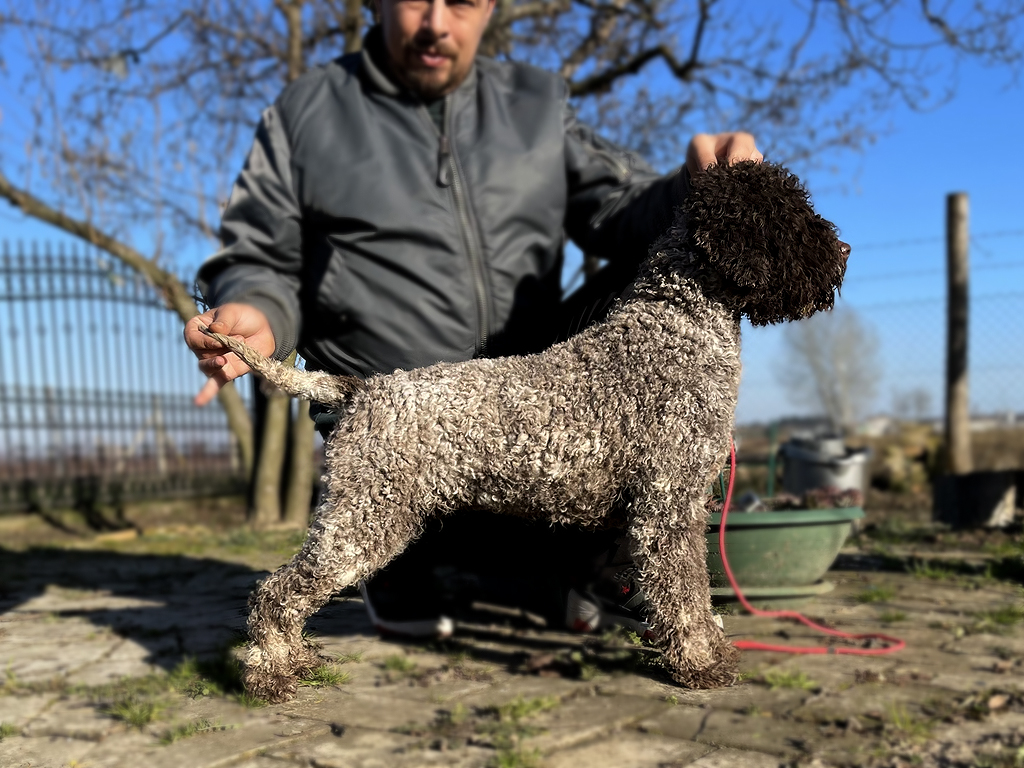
(958,434)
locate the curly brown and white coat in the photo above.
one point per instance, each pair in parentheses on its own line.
(627,421)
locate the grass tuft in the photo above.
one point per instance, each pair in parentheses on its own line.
(398,667)
(518,708)
(890,617)
(8,729)
(324,676)
(216,676)
(509,731)
(249,701)
(780,678)
(876,594)
(924,570)
(997,621)
(916,729)
(132,711)
(187,730)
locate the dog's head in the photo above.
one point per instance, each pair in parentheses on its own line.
(760,247)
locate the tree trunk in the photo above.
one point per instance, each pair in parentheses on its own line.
(301,470)
(353,26)
(265,500)
(958,417)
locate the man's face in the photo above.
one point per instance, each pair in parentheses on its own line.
(431,43)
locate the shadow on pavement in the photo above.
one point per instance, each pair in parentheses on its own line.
(173,606)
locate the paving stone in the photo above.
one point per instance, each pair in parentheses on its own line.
(583,718)
(742,696)
(223,748)
(72,719)
(51,602)
(636,685)
(759,734)
(875,699)
(128,749)
(735,758)
(526,687)
(357,747)
(261,761)
(110,671)
(18,710)
(677,722)
(365,710)
(43,752)
(635,750)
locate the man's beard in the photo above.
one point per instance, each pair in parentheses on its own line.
(423,80)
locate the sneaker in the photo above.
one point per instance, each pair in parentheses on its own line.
(588,613)
(614,601)
(398,618)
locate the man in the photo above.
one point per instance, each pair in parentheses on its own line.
(406,205)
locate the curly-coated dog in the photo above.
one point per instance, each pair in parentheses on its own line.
(630,419)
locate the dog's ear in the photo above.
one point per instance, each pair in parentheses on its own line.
(763,250)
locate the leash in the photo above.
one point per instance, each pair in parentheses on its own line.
(749,645)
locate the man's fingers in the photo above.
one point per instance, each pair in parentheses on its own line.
(195,338)
(211,365)
(737,147)
(706,150)
(701,153)
(208,392)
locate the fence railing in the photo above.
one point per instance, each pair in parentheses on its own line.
(96,388)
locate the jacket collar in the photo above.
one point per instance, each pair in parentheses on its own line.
(373,59)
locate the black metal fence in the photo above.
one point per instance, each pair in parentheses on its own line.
(96,388)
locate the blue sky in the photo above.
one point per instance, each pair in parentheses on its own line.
(893,192)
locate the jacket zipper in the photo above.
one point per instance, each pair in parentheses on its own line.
(448,176)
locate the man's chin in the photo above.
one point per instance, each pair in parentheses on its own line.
(430,83)
(431,88)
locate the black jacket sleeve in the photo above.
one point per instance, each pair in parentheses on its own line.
(261,258)
(617,203)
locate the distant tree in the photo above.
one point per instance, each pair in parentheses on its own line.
(831,360)
(125,121)
(914,404)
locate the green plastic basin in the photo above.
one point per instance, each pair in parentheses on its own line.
(775,549)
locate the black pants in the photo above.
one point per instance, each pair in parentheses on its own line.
(514,562)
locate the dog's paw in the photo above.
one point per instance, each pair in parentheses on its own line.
(720,673)
(274,676)
(273,688)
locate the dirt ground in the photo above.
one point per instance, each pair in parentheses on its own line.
(119,650)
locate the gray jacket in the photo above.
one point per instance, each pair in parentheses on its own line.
(373,241)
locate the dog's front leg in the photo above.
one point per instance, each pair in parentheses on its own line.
(348,540)
(670,553)
(278,609)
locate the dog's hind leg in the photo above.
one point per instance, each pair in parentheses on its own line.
(345,543)
(668,545)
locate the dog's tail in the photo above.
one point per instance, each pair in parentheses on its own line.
(317,386)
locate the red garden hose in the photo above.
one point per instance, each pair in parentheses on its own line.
(748,645)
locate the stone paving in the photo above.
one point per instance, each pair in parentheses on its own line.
(113,656)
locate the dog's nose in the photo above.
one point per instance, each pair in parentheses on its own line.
(844,248)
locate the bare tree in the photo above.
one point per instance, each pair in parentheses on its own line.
(914,404)
(831,360)
(125,121)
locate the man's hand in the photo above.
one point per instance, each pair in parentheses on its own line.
(221,365)
(708,149)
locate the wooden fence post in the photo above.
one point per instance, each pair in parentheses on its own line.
(958,427)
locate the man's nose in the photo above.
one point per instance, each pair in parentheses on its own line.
(844,248)
(436,19)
